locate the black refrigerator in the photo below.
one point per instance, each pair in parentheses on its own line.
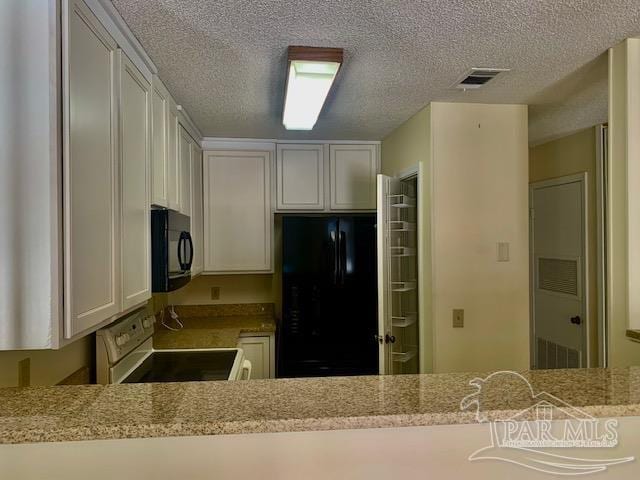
(329,296)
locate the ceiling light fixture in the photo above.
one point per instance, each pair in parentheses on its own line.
(311,72)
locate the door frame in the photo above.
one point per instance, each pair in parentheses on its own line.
(585,287)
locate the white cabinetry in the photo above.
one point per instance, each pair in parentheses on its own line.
(197,211)
(135,145)
(160,100)
(300,177)
(353,177)
(173,180)
(238,221)
(185,146)
(91,225)
(260,351)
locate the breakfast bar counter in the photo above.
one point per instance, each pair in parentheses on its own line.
(91,412)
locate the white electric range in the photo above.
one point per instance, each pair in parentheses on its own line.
(125,354)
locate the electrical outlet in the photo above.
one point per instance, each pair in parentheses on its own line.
(458,318)
(215,293)
(24,372)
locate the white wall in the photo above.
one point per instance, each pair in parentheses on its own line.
(28,184)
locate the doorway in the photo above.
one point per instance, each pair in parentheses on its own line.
(561,317)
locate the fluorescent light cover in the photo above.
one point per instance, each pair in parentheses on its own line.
(307,89)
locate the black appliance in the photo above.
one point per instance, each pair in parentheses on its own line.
(171,250)
(329,320)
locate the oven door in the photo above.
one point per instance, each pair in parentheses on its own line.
(188,365)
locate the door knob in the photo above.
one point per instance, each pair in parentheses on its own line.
(389,338)
(576,320)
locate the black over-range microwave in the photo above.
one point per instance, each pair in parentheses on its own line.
(171,250)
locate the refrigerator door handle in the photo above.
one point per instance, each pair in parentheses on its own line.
(336,257)
(342,245)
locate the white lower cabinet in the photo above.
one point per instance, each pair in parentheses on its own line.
(260,351)
(135,145)
(238,220)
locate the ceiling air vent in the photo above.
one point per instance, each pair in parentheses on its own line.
(477,77)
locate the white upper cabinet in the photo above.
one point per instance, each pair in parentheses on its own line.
(135,128)
(185,146)
(238,220)
(90,164)
(160,101)
(196,211)
(353,176)
(173,180)
(300,177)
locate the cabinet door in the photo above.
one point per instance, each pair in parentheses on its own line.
(196,211)
(353,177)
(135,128)
(160,144)
(185,145)
(256,350)
(173,176)
(238,222)
(300,177)
(91,230)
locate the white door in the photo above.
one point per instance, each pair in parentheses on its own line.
(91,229)
(135,128)
(300,177)
(353,176)
(185,145)
(558,267)
(397,276)
(238,222)
(196,211)
(160,145)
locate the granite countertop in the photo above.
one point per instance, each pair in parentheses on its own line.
(214,326)
(64,413)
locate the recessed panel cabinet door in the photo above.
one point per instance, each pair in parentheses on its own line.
(91,230)
(135,97)
(353,177)
(196,212)
(160,144)
(185,145)
(173,179)
(238,221)
(300,177)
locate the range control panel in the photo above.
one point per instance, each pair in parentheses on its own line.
(125,335)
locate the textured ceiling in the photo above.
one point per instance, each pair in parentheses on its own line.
(225,60)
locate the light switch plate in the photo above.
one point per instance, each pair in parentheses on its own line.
(458,318)
(215,293)
(503,251)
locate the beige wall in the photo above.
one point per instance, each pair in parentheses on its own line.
(406,147)
(233,289)
(48,367)
(622,351)
(566,156)
(480,197)
(474,193)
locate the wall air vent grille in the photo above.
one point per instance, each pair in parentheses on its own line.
(477,77)
(558,275)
